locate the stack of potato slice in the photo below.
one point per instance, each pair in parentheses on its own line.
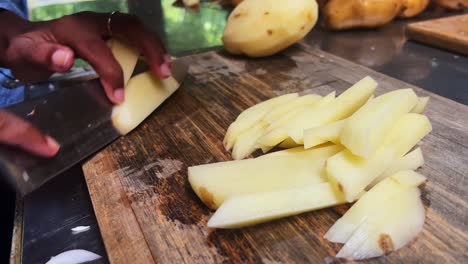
(343,149)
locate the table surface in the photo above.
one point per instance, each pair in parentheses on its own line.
(49,213)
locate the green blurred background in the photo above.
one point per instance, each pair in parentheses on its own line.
(182,30)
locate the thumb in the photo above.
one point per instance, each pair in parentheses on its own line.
(62,58)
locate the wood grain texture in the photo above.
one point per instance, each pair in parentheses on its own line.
(123,236)
(139,184)
(449,33)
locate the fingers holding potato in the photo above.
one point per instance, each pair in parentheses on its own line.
(260,28)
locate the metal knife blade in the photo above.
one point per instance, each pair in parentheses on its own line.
(78,116)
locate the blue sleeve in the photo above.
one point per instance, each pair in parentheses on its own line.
(17,6)
(9,96)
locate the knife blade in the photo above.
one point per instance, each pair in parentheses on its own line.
(78,116)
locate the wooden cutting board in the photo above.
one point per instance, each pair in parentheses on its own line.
(449,33)
(147,212)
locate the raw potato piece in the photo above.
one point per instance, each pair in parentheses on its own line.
(143,94)
(287,116)
(260,28)
(401,140)
(246,143)
(267,105)
(126,56)
(421,105)
(410,161)
(319,135)
(452,4)
(365,131)
(286,151)
(398,223)
(353,174)
(277,131)
(372,204)
(288,143)
(244,210)
(342,107)
(409,178)
(326,111)
(265,149)
(413,8)
(346,14)
(310,99)
(326,133)
(252,116)
(216,182)
(369,204)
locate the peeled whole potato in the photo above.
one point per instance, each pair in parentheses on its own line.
(260,28)
(413,8)
(452,4)
(346,14)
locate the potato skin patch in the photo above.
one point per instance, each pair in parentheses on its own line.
(207,197)
(386,243)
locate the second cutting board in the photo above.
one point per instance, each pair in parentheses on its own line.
(449,33)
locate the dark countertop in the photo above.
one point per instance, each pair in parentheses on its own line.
(50,212)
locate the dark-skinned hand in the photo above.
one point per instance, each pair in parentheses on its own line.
(35,50)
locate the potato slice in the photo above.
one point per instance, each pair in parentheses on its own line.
(301,149)
(364,132)
(264,27)
(421,105)
(278,130)
(286,117)
(371,204)
(126,56)
(246,142)
(288,151)
(410,161)
(352,174)
(288,143)
(274,137)
(143,94)
(309,99)
(283,119)
(409,178)
(265,149)
(327,133)
(342,107)
(250,209)
(268,104)
(216,182)
(407,132)
(397,223)
(252,116)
